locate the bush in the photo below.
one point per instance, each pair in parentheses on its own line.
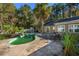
(70,42)
(4,36)
(11,29)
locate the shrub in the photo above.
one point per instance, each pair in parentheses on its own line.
(11,29)
(70,41)
(4,36)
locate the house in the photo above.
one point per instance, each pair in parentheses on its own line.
(49,26)
(63,25)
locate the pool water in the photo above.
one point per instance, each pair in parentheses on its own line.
(22,39)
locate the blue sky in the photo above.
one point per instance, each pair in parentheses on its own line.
(18,5)
(32,5)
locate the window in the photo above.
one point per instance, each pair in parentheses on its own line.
(73,28)
(61,28)
(70,28)
(77,28)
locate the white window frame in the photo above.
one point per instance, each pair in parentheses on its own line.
(73,27)
(60,28)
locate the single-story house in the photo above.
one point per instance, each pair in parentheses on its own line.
(63,25)
(49,26)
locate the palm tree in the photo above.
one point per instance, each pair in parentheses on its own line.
(42,12)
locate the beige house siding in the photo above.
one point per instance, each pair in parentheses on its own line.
(54,28)
(66,27)
(49,28)
(74,22)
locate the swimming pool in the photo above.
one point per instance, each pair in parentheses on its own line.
(22,39)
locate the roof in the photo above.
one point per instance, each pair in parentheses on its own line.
(67,19)
(49,23)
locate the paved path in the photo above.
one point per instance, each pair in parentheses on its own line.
(52,49)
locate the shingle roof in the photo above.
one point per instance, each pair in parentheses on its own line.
(68,19)
(49,23)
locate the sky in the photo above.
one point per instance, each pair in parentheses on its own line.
(18,5)
(32,5)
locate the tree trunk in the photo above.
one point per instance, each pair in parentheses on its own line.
(42,27)
(63,13)
(70,11)
(1,26)
(1,22)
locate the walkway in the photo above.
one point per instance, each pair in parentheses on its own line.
(52,49)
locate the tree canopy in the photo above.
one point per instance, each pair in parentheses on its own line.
(25,17)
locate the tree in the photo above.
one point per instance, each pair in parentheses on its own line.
(41,12)
(76,9)
(55,11)
(62,7)
(25,16)
(64,10)
(71,9)
(9,13)
(1,16)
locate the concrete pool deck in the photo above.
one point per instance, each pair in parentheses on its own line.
(38,47)
(23,49)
